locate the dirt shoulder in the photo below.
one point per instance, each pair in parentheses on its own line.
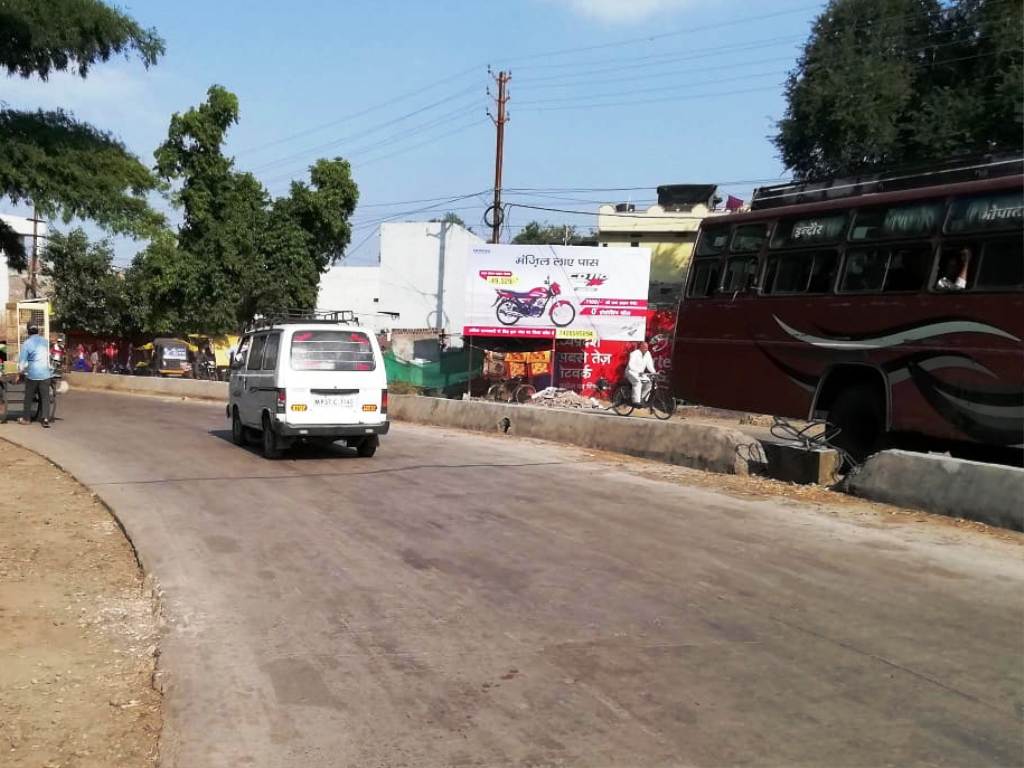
(79,629)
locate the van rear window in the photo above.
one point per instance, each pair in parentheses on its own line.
(332,351)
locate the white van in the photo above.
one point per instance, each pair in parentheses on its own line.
(318,379)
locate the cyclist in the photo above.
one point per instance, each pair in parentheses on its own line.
(638,368)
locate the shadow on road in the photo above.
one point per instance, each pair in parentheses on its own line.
(309,451)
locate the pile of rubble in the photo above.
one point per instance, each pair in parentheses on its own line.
(564,398)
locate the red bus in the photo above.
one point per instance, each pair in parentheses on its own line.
(881,309)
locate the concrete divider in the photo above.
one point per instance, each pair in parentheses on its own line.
(150,385)
(701,446)
(988,493)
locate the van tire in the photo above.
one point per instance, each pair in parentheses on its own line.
(237,429)
(271,444)
(367,446)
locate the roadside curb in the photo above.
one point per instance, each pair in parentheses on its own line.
(146,385)
(700,446)
(989,493)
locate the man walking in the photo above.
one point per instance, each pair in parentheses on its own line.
(34,364)
(640,364)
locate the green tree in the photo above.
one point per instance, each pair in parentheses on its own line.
(237,252)
(453,218)
(63,166)
(88,294)
(536,233)
(885,83)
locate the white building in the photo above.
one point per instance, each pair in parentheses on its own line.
(13,284)
(420,282)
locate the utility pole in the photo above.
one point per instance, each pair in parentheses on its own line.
(33,269)
(501,79)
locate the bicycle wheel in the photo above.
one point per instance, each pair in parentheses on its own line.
(622,400)
(524,393)
(662,404)
(494,392)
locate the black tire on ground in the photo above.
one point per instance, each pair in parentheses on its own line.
(662,404)
(271,443)
(494,392)
(622,400)
(860,416)
(368,446)
(237,428)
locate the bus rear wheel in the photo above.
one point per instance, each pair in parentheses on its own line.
(860,418)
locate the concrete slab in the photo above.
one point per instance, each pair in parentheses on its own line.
(988,493)
(793,463)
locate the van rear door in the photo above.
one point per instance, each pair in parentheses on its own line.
(337,375)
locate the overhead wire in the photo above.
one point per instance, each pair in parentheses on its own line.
(360,113)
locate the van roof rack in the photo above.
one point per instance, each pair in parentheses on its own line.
(794,193)
(326,316)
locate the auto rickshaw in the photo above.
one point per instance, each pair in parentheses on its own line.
(216,353)
(164,357)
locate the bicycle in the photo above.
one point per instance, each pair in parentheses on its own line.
(513,390)
(659,399)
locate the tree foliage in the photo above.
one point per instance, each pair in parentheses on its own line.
(63,166)
(238,251)
(885,83)
(536,233)
(88,295)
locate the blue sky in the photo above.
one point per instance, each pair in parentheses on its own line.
(604,94)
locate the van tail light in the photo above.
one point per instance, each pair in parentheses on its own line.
(384,402)
(281,399)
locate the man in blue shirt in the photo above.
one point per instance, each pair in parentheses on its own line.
(34,364)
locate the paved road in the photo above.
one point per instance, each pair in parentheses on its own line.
(483,601)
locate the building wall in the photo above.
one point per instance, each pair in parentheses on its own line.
(670,234)
(354,288)
(413,257)
(14,285)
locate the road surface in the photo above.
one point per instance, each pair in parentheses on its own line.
(479,600)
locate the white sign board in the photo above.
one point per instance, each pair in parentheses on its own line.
(557,291)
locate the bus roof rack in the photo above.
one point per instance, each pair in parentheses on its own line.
(326,316)
(796,193)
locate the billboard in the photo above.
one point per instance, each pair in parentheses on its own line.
(557,291)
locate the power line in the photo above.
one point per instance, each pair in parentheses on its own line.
(651,38)
(360,113)
(288,175)
(364,132)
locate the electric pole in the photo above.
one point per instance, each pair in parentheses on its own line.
(501,79)
(33,270)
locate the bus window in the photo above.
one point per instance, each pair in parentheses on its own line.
(801,272)
(748,238)
(984,213)
(864,270)
(909,268)
(705,278)
(713,241)
(896,221)
(957,267)
(740,274)
(823,274)
(827,228)
(892,270)
(1002,266)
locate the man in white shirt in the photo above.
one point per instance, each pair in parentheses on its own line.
(637,369)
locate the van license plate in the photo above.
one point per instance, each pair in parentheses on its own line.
(334,401)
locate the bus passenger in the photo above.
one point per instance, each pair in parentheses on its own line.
(954,271)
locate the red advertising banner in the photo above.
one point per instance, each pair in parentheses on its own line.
(580,365)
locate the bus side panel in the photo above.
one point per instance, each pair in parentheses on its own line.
(721,362)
